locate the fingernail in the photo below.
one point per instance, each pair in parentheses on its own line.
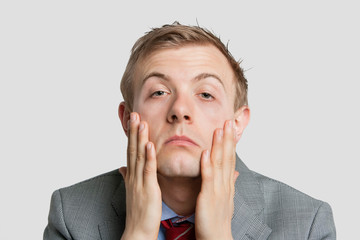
(132,117)
(148,146)
(141,127)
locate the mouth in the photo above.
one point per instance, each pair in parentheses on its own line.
(181,141)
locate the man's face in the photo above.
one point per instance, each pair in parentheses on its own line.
(183,94)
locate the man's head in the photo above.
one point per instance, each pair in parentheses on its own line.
(182,83)
(175,36)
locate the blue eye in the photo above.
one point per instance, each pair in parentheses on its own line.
(206,95)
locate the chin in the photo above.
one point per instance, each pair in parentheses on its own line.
(181,164)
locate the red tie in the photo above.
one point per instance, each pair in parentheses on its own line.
(178,231)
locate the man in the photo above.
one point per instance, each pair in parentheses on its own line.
(185,109)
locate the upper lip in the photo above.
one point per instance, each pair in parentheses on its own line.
(180,138)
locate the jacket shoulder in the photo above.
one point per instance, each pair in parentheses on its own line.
(77,210)
(290,212)
(273,188)
(110,177)
(103,185)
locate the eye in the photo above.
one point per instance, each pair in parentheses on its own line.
(158,93)
(206,95)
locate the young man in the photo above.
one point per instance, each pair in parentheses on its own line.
(185,109)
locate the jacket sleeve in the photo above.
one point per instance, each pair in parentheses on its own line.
(323,226)
(56,228)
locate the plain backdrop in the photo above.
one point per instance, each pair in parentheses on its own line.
(60,68)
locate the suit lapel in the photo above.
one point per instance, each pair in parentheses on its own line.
(247,222)
(113,229)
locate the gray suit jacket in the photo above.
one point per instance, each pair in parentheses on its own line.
(264,209)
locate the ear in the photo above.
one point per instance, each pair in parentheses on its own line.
(242,118)
(124,115)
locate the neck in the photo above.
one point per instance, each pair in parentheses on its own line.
(180,193)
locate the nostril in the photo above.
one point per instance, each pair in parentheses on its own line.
(175,118)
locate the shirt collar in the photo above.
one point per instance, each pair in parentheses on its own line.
(168,213)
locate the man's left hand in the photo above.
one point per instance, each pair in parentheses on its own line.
(215,203)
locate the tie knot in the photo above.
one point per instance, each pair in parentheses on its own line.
(178,231)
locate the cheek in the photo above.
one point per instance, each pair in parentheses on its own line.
(154,118)
(216,115)
(148,112)
(207,122)
(212,118)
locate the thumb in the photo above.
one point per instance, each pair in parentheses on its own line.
(123,171)
(236,174)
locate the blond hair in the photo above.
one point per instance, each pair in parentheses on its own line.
(172,36)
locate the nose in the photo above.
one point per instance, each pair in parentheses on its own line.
(180,110)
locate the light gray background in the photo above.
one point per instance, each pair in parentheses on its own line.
(60,67)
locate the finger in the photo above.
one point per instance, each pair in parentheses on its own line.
(132,143)
(217,149)
(216,159)
(206,170)
(143,138)
(229,150)
(150,167)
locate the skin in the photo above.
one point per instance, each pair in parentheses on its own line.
(186,91)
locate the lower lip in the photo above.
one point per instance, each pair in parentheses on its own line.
(181,143)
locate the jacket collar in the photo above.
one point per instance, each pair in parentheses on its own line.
(247,222)
(113,229)
(249,203)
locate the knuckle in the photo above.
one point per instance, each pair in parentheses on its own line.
(139,156)
(148,169)
(232,160)
(218,164)
(132,150)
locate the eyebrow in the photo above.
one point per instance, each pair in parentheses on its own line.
(199,77)
(154,74)
(209,75)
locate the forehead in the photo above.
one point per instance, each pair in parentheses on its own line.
(185,62)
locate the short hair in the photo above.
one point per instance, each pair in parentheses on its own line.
(173,36)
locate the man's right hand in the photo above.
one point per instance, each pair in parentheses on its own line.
(143,195)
